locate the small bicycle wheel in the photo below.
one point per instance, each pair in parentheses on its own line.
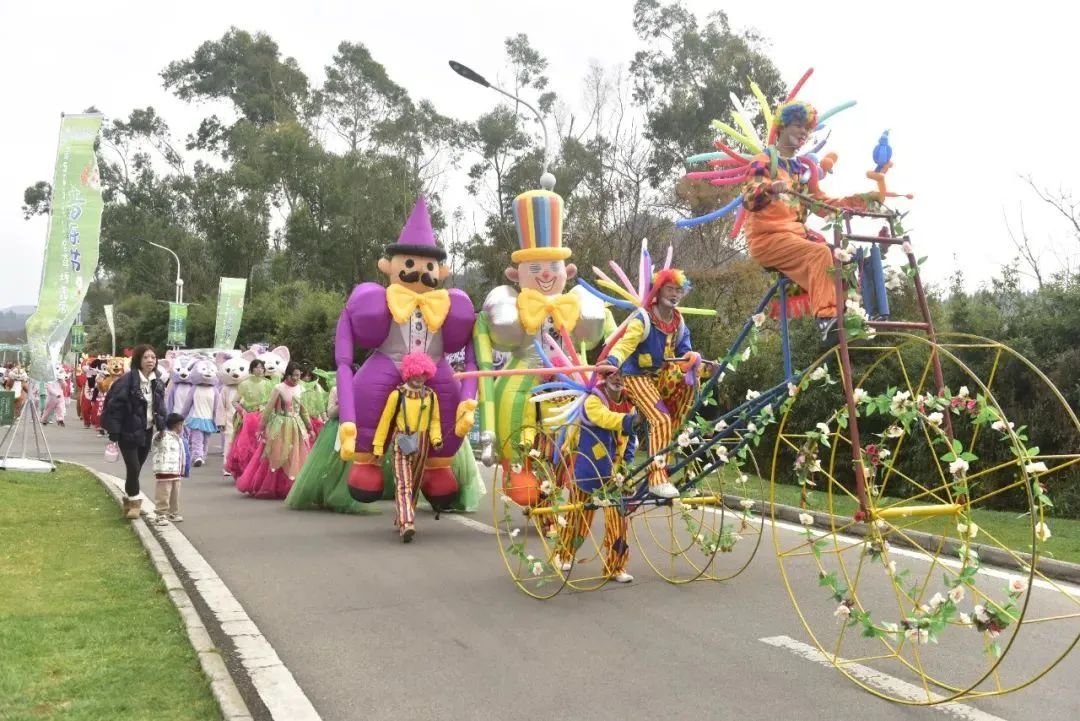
(905,583)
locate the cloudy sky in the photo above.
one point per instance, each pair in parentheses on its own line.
(974,96)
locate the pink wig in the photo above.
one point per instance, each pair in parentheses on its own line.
(417,364)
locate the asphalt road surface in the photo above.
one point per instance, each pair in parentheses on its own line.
(373,629)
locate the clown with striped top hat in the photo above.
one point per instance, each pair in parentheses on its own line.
(538,309)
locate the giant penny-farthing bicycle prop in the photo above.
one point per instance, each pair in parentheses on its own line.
(904,438)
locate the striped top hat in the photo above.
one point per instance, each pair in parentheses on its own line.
(538,217)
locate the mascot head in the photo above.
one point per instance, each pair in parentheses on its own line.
(415,261)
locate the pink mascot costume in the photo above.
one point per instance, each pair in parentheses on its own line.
(56,398)
(412,314)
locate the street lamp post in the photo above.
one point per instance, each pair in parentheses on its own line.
(179,280)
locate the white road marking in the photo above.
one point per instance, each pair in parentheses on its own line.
(274,683)
(889,684)
(472,523)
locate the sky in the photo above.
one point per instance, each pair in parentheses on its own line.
(971,94)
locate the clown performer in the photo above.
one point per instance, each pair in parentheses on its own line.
(413,411)
(605,443)
(776,230)
(657,385)
(537,310)
(411,315)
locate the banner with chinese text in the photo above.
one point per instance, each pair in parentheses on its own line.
(177,324)
(71,248)
(230,311)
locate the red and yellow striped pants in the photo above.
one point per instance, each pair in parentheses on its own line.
(408,470)
(664,400)
(615,549)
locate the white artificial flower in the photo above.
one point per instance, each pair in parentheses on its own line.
(806,519)
(767,410)
(759,319)
(843,612)
(747,503)
(956,594)
(561,520)
(720,426)
(537,568)
(552,532)
(815,465)
(620,478)
(792,389)
(684,439)
(534,453)
(505,498)
(547,487)
(820,373)
(823,427)
(936,600)
(890,567)
(1000,425)
(515,533)
(884,453)
(842,254)
(881,523)
(751,427)
(721,453)
(890,627)
(530,558)
(935,418)
(700,538)
(515,467)
(899,402)
(860,395)
(894,431)
(1036,467)
(958,467)
(742,478)
(965,619)
(980,613)
(1042,531)
(746,353)
(1018,585)
(723,375)
(752,394)
(659,461)
(963,392)
(919,635)
(970,530)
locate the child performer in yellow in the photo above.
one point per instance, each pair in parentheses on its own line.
(658,387)
(605,444)
(413,410)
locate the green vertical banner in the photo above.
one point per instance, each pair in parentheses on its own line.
(71,248)
(230,311)
(177,324)
(78,338)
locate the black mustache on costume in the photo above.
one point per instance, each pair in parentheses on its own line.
(425,278)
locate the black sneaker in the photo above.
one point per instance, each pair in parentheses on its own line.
(828,331)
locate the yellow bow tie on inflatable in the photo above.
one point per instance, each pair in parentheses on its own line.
(434,305)
(534,307)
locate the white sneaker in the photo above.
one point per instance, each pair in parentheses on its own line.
(160,519)
(564,565)
(175,517)
(623,577)
(664,490)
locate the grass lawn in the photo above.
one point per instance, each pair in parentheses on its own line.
(1010,529)
(87,631)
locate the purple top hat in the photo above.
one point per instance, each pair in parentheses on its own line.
(416,237)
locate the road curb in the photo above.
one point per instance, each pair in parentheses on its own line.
(1049,567)
(222,684)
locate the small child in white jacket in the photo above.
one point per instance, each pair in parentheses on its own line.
(172,462)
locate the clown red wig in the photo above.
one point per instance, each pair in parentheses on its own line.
(415,364)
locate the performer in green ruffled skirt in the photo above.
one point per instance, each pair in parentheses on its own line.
(323,483)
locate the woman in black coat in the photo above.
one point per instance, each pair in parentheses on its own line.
(134,409)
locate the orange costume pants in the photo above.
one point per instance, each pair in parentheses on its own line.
(804,261)
(664,400)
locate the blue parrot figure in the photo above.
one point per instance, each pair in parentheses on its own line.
(882,152)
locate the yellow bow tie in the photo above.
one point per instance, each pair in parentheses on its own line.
(534,307)
(434,305)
